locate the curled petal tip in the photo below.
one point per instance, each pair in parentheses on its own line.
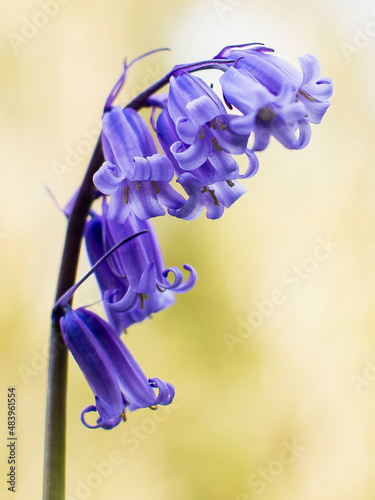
(180,286)
(178,277)
(88,409)
(166,391)
(190,282)
(110,424)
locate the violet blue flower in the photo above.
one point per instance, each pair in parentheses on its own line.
(214,197)
(135,175)
(134,281)
(113,374)
(275,98)
(311,89)
(212,185)
(202,124)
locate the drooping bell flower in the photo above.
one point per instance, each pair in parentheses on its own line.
(213,185)
(114,376)
(274,97)
(310,87)
(264,113)
(202,124)
(133,281)
(135,175)
(213,197)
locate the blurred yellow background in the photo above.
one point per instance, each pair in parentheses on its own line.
(276,404)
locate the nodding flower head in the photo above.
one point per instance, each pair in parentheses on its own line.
(114,376)
(213,185)
(135,174)
(274,97)
(202,124)
(134,280)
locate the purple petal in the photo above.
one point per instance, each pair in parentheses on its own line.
(178,278)
(213,210)
(108,178)
(310,68)
(190,183)
(226,194)
(189,282)
(169,196)
(253,165)
(147,283)
(166,391)
(118,208)
(131,379)
(126,302)
(92,359)
(191,157)
(191,210)
(144,201)
(161,168)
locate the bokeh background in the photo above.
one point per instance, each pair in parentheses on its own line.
(276,404)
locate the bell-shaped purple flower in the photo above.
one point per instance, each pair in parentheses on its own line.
(214,197)
(265,113)
(134,281)
(135,307)
(270,70)
(202,124)
(135,174)
(275,98)
(213,185)
(111,371)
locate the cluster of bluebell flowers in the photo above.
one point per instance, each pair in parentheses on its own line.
(189,146)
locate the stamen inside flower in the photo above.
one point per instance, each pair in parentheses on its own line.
(126,195)
(213,124)
(137,185)
(309,98)
(202,134)
(213,195)
(216,145)
(230,183)
(143,297)
(123,415)
(156,187)
(223,126)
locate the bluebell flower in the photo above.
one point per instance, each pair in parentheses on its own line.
(133,281)
(308,84)
(274,97)
(114,376)
(135,174)
(213,185)
(264,113)
(213,197)
(202,123)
